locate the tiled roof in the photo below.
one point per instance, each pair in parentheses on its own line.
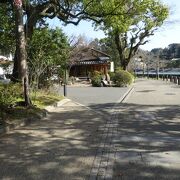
(88,54)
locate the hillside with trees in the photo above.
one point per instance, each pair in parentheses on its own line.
(170,54)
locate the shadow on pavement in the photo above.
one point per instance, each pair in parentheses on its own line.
(62,146)
(150,135)
(143,171)
(147,144)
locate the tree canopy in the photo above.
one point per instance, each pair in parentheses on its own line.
(7,33)
(128,22)
(138,20)
(48,52)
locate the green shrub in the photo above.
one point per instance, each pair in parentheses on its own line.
(118,69)
(122,78)
(111,74)
(45,84)
(9,94)
(133,74)
(96,79)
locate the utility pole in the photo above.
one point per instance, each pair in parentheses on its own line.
(65,82)
(156,58)
(157,68)
(21,49)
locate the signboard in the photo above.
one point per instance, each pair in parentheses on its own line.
(112,67)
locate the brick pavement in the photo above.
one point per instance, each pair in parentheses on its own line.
(141,139)
(61,146)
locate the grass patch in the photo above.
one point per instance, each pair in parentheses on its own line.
(18,113)
(40,100)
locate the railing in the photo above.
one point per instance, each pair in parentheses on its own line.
(168,76)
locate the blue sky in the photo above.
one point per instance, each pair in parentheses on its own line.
(167,34)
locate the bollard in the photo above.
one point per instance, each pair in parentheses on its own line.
(163,78)
(65,90)
(175,79)
(167,78)
(171,78)
(179,80)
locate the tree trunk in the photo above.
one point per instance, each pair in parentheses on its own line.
(124,66)
(123,58)
(28,31)
(21,55)
(120,51)
(15,74)
(125,63)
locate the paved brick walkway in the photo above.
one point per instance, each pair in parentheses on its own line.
(59,147)
(104,160)
(141,139)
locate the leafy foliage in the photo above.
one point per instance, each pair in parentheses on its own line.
(133,23)
(174,64)
(12,96)
(169,55)
(9,94)
(96,79)
(7,34)
(108,46)
(172,51)
(6,67)
(43,98)
(47,53)
(122,78)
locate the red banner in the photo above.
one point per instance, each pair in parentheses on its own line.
(18,3)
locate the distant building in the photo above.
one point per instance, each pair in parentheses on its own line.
(1,71)
(87,60)
(3,59)
(6,61)
(175,59)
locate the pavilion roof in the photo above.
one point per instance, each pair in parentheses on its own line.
(88,55)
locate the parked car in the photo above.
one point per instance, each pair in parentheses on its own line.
(3,79)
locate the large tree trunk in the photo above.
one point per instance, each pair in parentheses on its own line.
(15,74)
(28,31)
(121,51)
(125,63)
(21,54)
(124,66)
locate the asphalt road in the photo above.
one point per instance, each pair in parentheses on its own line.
(147,138)
(100,99)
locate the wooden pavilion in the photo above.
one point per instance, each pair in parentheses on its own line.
(87,60)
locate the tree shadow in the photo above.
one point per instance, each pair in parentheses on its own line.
(61,146)
(146,142)
(145,91)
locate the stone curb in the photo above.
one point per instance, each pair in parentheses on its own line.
(62,102)
(27,121)
(126,95)
(58,104)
